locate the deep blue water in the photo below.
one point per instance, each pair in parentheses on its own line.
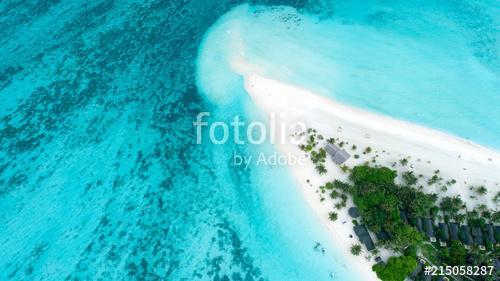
(100,176)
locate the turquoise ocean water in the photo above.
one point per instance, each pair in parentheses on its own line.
(435,63)
(100,176)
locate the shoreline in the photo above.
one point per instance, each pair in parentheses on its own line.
(427,150)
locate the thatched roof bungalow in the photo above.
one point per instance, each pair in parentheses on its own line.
(364,236)
(444,233)
(429,229)
(338,155)
(466,238)
(490,233)
(453,231)
(478,236)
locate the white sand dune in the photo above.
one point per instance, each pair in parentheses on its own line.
(391,139)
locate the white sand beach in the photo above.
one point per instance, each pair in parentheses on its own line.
(427,150)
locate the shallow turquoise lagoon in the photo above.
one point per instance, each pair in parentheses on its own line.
(433,63)
(100,174)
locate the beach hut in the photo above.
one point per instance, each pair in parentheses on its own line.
(497,233)
(453,231)
(364,236)
(466,238)
(353,212)
(490,233)
(444,234)
(331,148)
(338,155)
(429,229)
(478,237)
